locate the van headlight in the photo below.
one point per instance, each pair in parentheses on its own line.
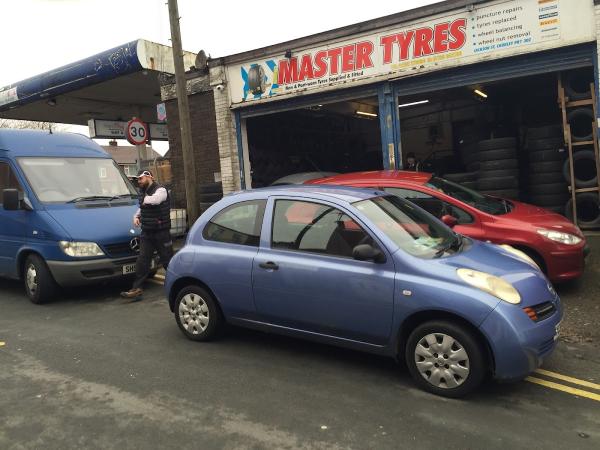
(491,284)
(520,254)
(80,249)
(559,236)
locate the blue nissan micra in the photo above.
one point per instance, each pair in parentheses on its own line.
(369,271)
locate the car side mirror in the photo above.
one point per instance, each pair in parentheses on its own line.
(449,220)
(366,252)
(10,199)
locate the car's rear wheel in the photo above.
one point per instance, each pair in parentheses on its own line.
(40,286)
(445,358)
(197,314)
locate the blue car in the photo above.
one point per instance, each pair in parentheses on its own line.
(368,271)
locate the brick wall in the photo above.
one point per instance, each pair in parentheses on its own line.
(204,139)
(226,133)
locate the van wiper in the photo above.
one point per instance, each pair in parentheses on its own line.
(116,197)
(91,197)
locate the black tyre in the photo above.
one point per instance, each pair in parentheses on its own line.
(494,155)
(544,178)
(473,167)
(495,183)
(210,198)
(588,209)
(485,174)
(197,314)
(546,167)
(582,121)
(545,144)
(512,194)
(210,188)
(548,188)
(495,144)
(499,164)
(469,184)
(256,79)
(40,286)
(461,177)
(550,131)
(557,154)
(549,199)
(584,166)
(445,358)
(577,85)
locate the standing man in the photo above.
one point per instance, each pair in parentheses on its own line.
(412,163)
(154,216)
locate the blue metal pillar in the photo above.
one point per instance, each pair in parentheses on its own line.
(240,148)
(390,127)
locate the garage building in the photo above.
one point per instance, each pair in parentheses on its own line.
(494,95)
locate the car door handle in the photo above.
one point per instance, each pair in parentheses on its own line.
(269,265)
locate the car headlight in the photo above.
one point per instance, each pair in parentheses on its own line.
(80,249)
(490,284)
(519,254)
(559,236)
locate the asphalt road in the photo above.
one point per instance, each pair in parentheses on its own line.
(93,371)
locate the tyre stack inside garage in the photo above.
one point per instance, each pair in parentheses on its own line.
(582,121)
(209,193)
(546,153)
(498,173)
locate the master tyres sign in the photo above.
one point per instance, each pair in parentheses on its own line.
(490,31)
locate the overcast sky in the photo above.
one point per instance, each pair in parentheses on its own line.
(40,35)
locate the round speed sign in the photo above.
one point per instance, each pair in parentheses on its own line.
(137,132)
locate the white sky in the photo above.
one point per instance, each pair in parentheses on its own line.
(40,35)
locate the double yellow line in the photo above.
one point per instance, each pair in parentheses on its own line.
(160,279)
(565,388)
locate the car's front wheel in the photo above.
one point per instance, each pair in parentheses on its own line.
(197,314)
(445,358)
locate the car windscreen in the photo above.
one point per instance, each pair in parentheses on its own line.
(409,227)
(61,180)
(482,202)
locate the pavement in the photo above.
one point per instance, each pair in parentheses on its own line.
(91,370)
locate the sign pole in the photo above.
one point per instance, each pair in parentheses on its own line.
(189,167)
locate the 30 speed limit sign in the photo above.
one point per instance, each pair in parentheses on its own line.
(137,132)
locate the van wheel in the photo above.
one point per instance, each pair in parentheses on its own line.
(445,358)
(39,284)
(197,314)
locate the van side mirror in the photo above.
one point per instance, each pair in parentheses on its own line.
(449,220)
(10,199)
(366,252)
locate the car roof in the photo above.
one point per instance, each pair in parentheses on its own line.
(376,177)
(341,193)
(43,143)
(301,177)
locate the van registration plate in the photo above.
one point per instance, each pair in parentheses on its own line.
(128,269)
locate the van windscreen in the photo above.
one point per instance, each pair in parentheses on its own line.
(60,180)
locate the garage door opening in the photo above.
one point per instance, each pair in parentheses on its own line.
(503,139)
(336,137)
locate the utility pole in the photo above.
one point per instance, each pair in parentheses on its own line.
(189,166)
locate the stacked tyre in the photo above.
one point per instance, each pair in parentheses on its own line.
(498,173)
(588,203)
(208,194)
(546,156)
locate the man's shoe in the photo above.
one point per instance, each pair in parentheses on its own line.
(132,293)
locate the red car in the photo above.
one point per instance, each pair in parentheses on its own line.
(552,241)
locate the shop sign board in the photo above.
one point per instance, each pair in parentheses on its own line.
(472,34)
(115,129)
